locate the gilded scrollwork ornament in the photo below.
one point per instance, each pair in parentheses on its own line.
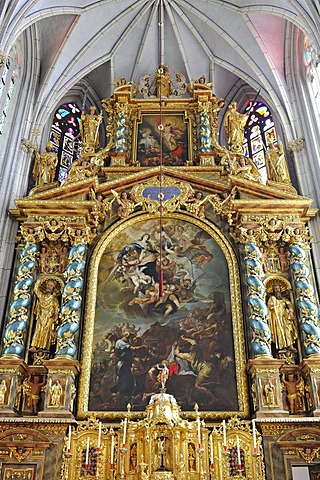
(241,166)
(308,453)
(55,229)
(83,168)
(30,234)
(83,234)
(125,202)
(28,146)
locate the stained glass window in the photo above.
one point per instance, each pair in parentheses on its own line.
(65,136)
(259,133)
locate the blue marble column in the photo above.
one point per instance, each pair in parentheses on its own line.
(18,319)
(121,144)
(258,316)
(205,132)
(71,302)
(308,311)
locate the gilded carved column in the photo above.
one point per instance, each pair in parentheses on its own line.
(18,318)
(278,240)
(258,311)
(205,130)
(119,127)
(71,302)
(121,140)
(12,366)
(262,367)
(63,368)
(308,312)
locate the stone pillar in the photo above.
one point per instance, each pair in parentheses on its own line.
(308,312)
(71,303)
(266,387)
(18,318)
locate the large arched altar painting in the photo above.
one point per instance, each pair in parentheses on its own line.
(189,330)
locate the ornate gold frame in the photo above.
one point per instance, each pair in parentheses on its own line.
(237,319)
(170,111)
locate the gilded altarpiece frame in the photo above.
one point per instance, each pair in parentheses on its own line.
(197,330)
(168,132)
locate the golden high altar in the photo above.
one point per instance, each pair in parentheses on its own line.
(164,446)
(163,260)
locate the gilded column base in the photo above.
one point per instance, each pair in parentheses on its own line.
(12,373)
(310,368)
(162,476)
(207,159)
(118,159)
(60,388)
(266,388)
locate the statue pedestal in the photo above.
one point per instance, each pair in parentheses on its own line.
(266,387)
(310,367)
(13,370)
(207,159)
(118,159)
(60,388)
(162,476)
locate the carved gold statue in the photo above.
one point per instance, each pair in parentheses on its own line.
(233,123)
(89,130)
(46,314)
(244,167)
(269,391)
(282,320)
(293,385)
(55,391)
(3,391)
(163,82)
(276,164)
(81,169)
(45,166)
(32,388)
(126,205)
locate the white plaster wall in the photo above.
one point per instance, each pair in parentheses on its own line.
(300,473)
